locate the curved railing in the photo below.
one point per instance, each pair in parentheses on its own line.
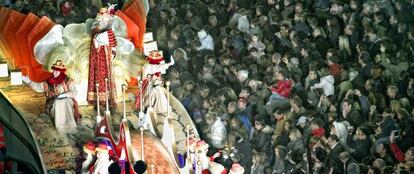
(21,145)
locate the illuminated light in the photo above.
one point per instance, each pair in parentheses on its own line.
(148,37)
(4,69)
(150,46)
(16,77)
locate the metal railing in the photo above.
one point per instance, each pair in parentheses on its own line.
(20,142)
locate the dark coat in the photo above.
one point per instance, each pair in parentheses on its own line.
(361,149)
(261,141)
(333,156)
(387,126)
(342,168)
(354,118)
(244,148)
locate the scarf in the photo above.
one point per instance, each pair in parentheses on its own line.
(56,80)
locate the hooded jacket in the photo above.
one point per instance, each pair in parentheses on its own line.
(283,88)
(261,140)
(327,84)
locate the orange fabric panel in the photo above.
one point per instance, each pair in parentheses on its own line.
(39,31)
(134,12)
(13,24)
(4,16)
(21,35)
(142,20)
(132,28)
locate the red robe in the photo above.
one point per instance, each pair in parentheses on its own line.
(100,67)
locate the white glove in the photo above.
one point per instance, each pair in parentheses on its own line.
(26,79)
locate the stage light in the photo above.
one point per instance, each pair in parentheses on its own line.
(150,46)
(4,69)
(148,37)
(16,77)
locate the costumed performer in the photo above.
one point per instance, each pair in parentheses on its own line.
(89,154)
(204,163)
(103,50)
(103,160)
(154,96)
(60,93)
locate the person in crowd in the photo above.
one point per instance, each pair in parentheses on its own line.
(336,149)
(280,92)
(361,144)
(261,139)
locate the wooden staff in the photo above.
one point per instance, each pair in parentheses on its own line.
(142,143)
(168,98)
(149,91)
(188,140)
(198,167)
(141,89)
(123,96)
(98,117)
(106,94)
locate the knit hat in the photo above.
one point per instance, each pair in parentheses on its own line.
(201,145)
(216,168)
(89,147)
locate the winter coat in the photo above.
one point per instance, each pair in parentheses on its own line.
(279,164)
(360,149)
(243,147)
(327,84)
(280,126)
(341,131)
(333,156)
(354,118)
(387,126)
(218,134)
(243,24)
(283,88)
(206,41)
(296,146)
(257,169)
(261,140)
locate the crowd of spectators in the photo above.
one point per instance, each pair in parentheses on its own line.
(315,86)
(60,11)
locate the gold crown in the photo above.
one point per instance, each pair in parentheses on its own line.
(58,65)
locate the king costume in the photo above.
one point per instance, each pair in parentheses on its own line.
(102,52)
(60,102)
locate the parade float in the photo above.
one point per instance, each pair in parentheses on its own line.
(128,112)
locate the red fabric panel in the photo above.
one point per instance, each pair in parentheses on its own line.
(39,31)
(132,28)
(21,35)
(135,11)
(4,16)
(12,25)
